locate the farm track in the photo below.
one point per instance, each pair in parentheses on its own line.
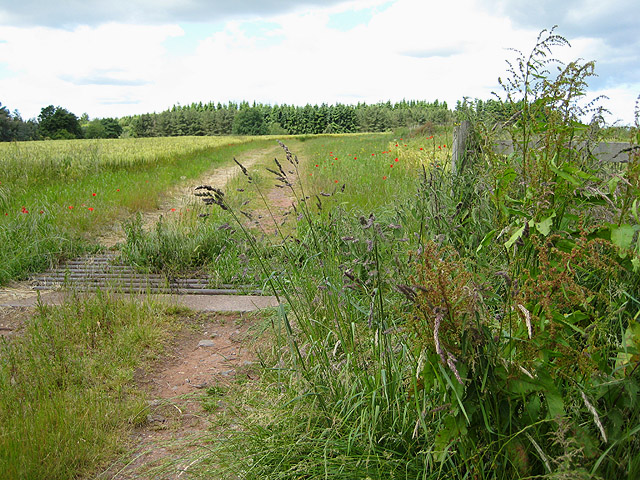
(211,350)
(101,271)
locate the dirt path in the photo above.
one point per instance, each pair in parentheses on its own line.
(187,391)
(187,397)
(182,195)
(178,198)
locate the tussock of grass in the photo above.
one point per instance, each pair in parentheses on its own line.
(66,385)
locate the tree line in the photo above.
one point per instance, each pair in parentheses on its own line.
(227,119)
(55,123)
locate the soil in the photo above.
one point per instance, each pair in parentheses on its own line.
(186,393)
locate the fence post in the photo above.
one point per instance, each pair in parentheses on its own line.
(461,138)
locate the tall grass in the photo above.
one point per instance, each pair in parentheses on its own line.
(484,327)
(67,397)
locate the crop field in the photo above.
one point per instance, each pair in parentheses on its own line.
(477,325)
(54,195)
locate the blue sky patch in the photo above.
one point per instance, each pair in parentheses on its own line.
(345,21)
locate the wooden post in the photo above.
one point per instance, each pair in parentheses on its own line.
(461,138)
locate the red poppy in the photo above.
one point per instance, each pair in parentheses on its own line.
(391,165)
(444,146)
(24,210)
(384,178)
(117,189)
(421,148)
(355,158)
(70,207)
(397,145)
(372,154)
(41,211)
(93,194)
(91,209)
(173,209)
(316,164)
(439,147)
(335,181)
(396,159)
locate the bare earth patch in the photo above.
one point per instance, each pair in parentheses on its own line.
(205,360)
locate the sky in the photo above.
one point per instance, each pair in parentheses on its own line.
(124,57)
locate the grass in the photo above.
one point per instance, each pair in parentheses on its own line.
(67,393)
(477,326)
(483,325)
(45,218)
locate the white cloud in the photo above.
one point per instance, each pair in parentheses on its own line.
(405,49)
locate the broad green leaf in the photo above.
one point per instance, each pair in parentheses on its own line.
(561,173)
(554,404)
(613,183)
(544,227)
(508,177)
(514,238)
(622,236)
(486,240)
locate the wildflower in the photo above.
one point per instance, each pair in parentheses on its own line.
(173,209)
(316,164)
(355,158)
(70,207)
(41,212)
(335,181)
(444,146)
(439,147)
(24,210)
(117,189)
(93,194)
(391,166)
(384,178)
(91,209)
(396,159)
(373,154)
(421,148)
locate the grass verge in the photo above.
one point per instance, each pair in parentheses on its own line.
(67,397)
